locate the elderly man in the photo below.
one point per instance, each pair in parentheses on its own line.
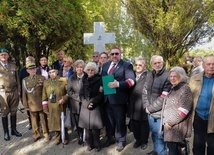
(155,90)
(115,104)
(9,94)
(96,58)
(22,74)
(197,66)
(202,86)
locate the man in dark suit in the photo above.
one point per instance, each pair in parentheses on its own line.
(116,104)
(59,63)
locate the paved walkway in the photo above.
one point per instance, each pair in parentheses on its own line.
(25,146)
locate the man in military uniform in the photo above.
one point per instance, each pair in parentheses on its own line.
(32,99)
(9,94)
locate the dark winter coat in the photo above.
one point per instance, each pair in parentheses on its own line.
(135,105)
(152,90)
(90,92)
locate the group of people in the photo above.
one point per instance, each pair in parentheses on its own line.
(166,103)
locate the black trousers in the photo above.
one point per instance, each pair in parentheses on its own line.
(140,130)
(201,137)
(177,148)
(116,119)
(93,138)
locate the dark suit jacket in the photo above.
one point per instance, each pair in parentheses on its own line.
(58,67)
(123,71)
(135,105)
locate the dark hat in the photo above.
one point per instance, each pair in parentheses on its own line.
(3,50)
(30,65)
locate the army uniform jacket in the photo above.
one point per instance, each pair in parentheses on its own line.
(32,92)
(54,109)
(9,81)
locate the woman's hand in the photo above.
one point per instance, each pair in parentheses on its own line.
(168,127)
(61,101)
(90,106)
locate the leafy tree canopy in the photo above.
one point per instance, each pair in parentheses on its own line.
(172,26)
(39,26)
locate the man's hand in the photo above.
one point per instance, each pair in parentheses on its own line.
(147,111)
(26,108)
(113,84)
(46,113)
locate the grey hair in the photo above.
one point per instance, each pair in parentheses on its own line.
(181,72)
(156,57)
(30,59)
(91,65)
(96,53)
(199,58)
(76,63)
(140,58)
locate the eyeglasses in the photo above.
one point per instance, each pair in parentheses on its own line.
(173,77)
(90,70)
(114,54)
(139,65)
(103,57)
(95,56)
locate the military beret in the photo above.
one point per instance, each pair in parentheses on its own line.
(30,65)
(3,50)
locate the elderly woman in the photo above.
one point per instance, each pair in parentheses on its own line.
(67,67)
(74,84)
(176,113)
(90,114)
(54,98)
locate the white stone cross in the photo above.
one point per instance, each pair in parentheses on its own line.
(99,38)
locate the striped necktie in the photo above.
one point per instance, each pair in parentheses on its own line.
(112,69)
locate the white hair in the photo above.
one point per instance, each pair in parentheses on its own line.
(91,65)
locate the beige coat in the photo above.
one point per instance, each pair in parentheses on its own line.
(32,92)
(195,84)
(54,117)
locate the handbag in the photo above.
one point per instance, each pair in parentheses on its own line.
(67,118)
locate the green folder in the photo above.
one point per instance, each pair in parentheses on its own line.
(106,89)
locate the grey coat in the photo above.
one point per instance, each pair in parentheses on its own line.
(73,89)
(180,96)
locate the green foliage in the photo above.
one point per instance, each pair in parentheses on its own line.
(172,26)
(42,26)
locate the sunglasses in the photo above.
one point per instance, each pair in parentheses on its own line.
(114,54)
(95,56)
